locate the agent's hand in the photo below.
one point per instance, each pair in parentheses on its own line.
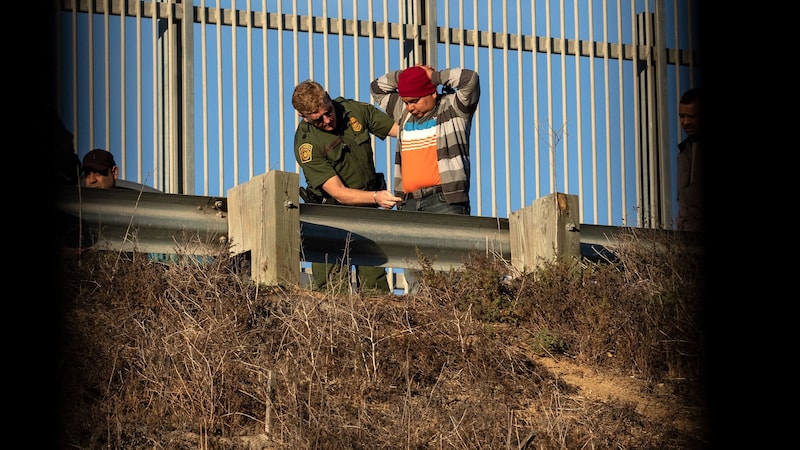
(386,199)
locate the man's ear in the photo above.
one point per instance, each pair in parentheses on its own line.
(115,172)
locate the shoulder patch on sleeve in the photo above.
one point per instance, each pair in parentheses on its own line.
(305,152)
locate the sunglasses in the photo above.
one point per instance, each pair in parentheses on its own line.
(88,170)
(321,119)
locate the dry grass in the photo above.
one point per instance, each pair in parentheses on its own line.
(193,355)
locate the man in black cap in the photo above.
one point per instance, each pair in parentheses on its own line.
(99,169)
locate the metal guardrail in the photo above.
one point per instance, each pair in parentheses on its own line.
(130,220)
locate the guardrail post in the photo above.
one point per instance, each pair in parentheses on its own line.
(547,231)
(264,219)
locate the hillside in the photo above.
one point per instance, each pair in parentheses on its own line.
(191,354)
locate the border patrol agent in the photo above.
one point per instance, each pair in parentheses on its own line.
(333,146)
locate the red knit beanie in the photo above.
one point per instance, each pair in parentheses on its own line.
(414,82)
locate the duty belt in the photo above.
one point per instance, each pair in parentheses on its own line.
(423,192)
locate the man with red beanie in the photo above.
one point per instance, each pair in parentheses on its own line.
(432,160)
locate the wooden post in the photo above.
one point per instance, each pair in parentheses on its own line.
(264,219)
(547,231)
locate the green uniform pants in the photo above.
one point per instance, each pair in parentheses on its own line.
(336,277)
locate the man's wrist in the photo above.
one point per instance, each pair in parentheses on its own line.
(375,197)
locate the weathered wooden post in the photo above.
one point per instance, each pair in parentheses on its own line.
(546,231)
(264,219)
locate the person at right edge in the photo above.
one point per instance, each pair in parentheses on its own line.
(691,179)
(333,146)
(432,160)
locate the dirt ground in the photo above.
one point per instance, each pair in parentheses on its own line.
(655,402)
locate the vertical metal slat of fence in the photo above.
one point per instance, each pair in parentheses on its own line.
(478,149)
(204,77)
(90,74)
(234,83)
(340,26)
(506,99)
(535,101)
(282,82)
(265,82)
(186,119)
(578,117)
(161,81)
(220,99)
(562,128)
(646,111)
(250,124)
(139,93)
(123,82)
(664,219)
(521,104)
(621,118)
(170,125)
(637,209)
(107,77)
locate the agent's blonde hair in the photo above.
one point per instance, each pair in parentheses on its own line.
(309,97)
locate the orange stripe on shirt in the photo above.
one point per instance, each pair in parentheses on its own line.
(420,167)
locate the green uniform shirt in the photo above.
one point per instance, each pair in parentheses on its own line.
(349,148)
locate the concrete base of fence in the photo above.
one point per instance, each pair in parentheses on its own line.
(547,231)
(264,219)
